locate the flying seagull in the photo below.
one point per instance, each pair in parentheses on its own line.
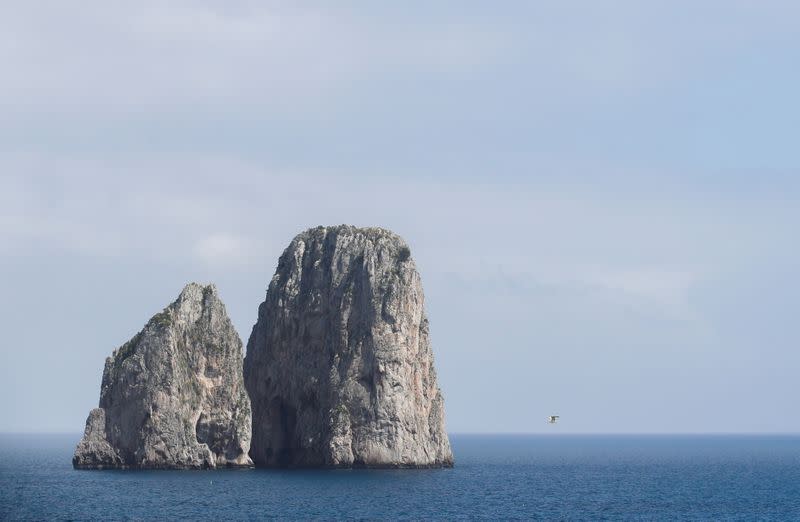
(552,419)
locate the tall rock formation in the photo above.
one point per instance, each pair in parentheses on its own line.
(339,366)
(173,396)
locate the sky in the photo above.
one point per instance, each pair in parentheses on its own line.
(602,200)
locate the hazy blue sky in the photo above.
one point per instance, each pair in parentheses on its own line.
(602,200)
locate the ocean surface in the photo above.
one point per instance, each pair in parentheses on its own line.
(496,477)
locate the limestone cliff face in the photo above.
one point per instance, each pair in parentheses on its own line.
(173,396)
(339,366)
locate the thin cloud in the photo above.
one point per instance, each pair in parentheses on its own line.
(114,59)
(224,249)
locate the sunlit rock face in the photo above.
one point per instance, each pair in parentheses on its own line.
(173,396)
(339,365)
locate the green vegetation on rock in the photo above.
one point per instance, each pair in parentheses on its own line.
(404,254)
(126,350)
(161,319)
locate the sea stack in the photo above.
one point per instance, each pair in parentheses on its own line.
(339,366)
(172,397)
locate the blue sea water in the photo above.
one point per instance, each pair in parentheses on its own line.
(496,477)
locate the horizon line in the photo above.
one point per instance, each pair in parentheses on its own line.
(526,433)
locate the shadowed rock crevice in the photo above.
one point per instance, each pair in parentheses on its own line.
(339,366)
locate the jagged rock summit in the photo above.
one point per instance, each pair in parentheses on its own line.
(173,396)
(339,366)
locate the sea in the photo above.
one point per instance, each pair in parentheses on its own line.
(496,477)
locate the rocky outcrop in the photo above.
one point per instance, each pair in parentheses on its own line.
(339,365)
(173,396)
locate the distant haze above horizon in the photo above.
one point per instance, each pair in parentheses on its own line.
(602,202)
